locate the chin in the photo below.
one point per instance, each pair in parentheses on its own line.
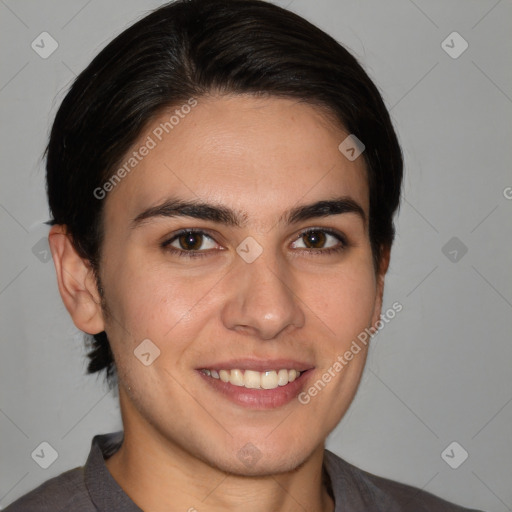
(255,462)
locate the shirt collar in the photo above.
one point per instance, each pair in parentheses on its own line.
(105,492)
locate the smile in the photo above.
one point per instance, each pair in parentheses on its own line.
(251,379)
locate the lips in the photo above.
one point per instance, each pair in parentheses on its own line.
(259,384)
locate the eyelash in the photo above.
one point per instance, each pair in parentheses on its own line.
(199,254)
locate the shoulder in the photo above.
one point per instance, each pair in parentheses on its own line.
(353,487)
(62,493)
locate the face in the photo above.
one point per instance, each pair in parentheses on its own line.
(238,245)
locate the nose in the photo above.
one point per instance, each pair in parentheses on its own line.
(261,300)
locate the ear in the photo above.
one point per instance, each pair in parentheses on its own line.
(381,274)
(77,284)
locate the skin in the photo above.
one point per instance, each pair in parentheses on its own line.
(261,157)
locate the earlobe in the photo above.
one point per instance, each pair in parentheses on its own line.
(76,281)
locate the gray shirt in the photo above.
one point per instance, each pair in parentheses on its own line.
(92,488)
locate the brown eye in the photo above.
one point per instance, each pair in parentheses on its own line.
(321,241)
(190,241)
(314,239)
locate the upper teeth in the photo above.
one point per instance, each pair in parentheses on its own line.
(255,380)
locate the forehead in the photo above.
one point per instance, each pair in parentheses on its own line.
(259,156)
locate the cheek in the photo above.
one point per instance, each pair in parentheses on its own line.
(344,306)
(155,302)
(343,302)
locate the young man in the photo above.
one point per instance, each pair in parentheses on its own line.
(223,179)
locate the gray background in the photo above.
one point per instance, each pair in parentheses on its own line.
(439,372)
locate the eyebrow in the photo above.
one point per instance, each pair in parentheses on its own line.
(174,207)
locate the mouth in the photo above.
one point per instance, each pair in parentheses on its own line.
(257,384)
(252,379)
